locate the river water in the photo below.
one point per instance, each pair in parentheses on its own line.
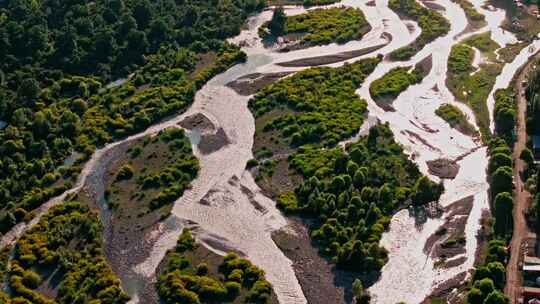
(237,216)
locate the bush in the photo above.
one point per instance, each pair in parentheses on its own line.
(125,172)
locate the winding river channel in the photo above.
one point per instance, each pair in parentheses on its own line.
(237,216)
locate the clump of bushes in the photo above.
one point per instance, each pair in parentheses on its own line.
(394,82)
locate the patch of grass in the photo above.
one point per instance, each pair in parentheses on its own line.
(324,26)
(457,119)
(431,22)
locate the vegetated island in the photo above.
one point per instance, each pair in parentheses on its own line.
(432,23)
(456,119)
(469,84)
(316,27)
(348,194)
(191,274)
(387,88)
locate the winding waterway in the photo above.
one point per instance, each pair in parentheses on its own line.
(236,215)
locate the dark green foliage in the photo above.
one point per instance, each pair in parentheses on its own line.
(397,80)
(476,19)
(67,240)
(182,282)
(431,22)
(503,204)
(353,193)
(470,88)
(321,103)
(505,114)
(107,38)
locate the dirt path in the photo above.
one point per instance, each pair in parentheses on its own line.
(521,196)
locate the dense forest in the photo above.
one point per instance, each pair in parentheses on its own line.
(53,97)
(533,104)
(228,279)
(431,22)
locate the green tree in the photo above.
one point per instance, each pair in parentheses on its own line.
(503,204)
(278,23)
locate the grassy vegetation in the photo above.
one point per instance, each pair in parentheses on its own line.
(155,175)
(431,22)
(324,26)
(317,106)
(63,252)
(476,20)
(456,119)
(397,80)
(473,88)
(223,280)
